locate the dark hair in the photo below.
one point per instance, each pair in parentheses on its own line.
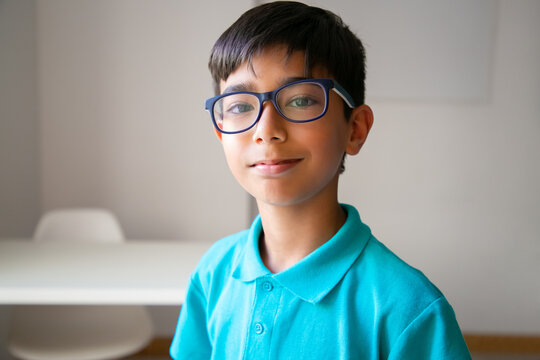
(321,34)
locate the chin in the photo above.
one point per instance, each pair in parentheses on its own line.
(282,201)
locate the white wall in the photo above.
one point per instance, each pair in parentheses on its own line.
(122,86)
(450,183)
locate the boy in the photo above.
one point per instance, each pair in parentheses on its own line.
(307,280)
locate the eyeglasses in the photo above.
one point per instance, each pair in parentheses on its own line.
(299,101)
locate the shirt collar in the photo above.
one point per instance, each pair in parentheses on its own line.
(317,274)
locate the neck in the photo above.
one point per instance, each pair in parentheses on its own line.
(290,233)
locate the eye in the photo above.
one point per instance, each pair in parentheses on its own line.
(301,101)
(239,108)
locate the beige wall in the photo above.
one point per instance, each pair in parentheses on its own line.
(19,136)
(450,183)
(19,178)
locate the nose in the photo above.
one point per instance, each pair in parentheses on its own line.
(271,127)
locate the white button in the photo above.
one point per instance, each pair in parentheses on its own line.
(259,328)
(267,286)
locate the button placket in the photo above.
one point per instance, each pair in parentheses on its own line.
(265,307)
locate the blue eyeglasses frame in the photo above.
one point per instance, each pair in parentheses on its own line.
(327,84)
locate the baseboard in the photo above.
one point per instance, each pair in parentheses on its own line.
(511,344)
(158,347)
(479,343)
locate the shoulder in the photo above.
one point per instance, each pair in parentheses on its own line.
(384,268)
(391,286)
(403,303)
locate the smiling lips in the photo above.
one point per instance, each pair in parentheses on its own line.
(275,167)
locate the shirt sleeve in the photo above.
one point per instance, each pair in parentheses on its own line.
(191,339)
(434,334)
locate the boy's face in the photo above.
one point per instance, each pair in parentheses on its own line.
(279,162)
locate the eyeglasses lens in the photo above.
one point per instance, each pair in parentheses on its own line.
(236,112)
(301,101)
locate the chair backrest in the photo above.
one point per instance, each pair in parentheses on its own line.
(79,225)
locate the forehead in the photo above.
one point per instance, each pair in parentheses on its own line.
(270,69)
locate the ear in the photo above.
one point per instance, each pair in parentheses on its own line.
(359,125)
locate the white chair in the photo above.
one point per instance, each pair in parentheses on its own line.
(78,332)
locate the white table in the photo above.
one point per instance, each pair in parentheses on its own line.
(134,272)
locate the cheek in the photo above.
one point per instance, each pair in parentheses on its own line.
(329,143)
(232,149)
(331,154)
(333,127)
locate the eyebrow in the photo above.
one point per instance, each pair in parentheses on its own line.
(237,87)
(248,86)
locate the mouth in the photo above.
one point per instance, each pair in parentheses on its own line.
(275,162)
(275,167)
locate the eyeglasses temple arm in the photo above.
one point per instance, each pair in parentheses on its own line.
(344,94)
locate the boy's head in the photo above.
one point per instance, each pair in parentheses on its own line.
(310,66)
(326,41)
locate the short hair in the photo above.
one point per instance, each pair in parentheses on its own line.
(321,34)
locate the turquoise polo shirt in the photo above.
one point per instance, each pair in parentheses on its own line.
(352,298)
